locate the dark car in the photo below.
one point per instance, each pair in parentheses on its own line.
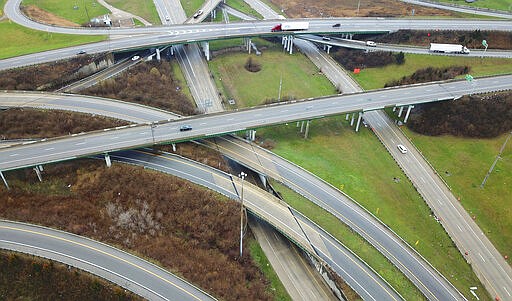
(336,25)
(185,127)
(82,52)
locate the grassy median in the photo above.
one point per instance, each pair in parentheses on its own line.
(76,11)
(142,8)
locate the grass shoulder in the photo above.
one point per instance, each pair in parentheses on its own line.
(360,166)
(463,164)
(503,5)
(191,6)
(28,41)
(242,6)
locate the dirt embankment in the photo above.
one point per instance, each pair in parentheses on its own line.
(40,15)
(187,229)
(348,8)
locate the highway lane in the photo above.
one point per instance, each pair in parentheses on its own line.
(124,269)
(228,122)
(292,224)
(430,282)
(354,44)
(462,9)
(486,261)
(132,112)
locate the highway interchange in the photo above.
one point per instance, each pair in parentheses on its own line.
(304,110)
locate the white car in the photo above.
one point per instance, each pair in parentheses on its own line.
(198,13)
(402,149)
(371,44)
(167,18)
(135,58)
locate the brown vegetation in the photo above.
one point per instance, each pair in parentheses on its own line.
(348,8)
(352,58)
(252,66)
(198,153)
(185,228)
(25,277)
(30,123)
(483,116)
(429,74)
(470,39)
(40,15)
(148,83)
(45,77)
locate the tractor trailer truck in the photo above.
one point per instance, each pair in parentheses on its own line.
(290,26)
(448,48)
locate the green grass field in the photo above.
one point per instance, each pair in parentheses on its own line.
(2,3)
(467,162)
(359,165)
(374,78)
(352,240)
(276,286)
(142,8)
(504,5)
(17,40)
(85,11)
(300,78)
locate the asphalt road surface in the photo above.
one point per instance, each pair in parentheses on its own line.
(126,270)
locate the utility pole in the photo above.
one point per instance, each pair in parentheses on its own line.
(280,85)
(242,175)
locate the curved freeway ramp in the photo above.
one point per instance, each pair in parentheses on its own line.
(292,224)
(131,272)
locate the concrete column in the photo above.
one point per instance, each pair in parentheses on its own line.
(394,109)
(307,130)
(174,147)
(328,48)
(302,126)
(249,45)
(297,124)
(253,135)
(283,41)
(263,180)
(352,120)
(172,50)
(206,49)
(407,114)
(290,50)
(346,116)
(400,112)
(359,121)
(158,54)
(38,173)
(5,181)
(107,160)
(40,167)
(350,36)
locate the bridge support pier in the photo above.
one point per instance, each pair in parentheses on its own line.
(302,126)
(346,116)
(107,160)
(5,181)
(248,43)
(307,129)
(174,147)
(352,120)
(290,44)
(359,121)
(38,170)
(263,180)
(172,50)
(250,135)
(400,112)
(206,49)
(394,109)
(327,48)
(158,54)
(213,14)
(407,114)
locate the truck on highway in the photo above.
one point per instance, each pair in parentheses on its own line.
(448,48)
(290,26)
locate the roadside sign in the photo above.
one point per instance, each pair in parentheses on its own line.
(469,78)
(484,43)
